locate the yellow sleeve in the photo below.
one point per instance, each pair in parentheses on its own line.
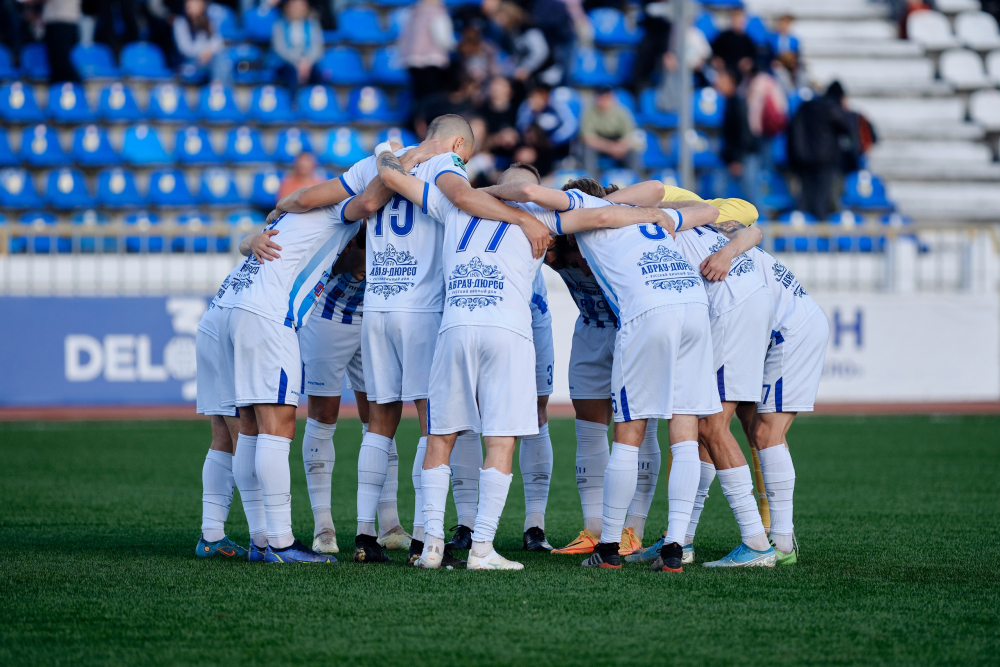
(673,193)
(739,210)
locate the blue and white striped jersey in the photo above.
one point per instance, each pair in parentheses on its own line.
(343,299)
(540,299)
(590,300)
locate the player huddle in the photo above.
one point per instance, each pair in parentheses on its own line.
(681,319)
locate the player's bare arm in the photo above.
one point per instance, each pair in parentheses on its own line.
(525,192)
(579,220)
(741,239)
(647,193)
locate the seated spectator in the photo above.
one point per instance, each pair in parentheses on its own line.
(304,173)
(733,47)
(530,49)
(783,41)
(546,125)
(477,57)
(656,24)
(740,148)
(297,38)
(201,45)
(553,18)
(606,129)
(424,48)
(500,117)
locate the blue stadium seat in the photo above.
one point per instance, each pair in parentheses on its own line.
(397,21)
(216,104)
(66,189)
(611,28)
(116,189)
(225,18)
(589,69)
(270,105)
(400,134)
(35,62)
(39,221)
(68,103)
(667,177)
(7,69)
(142,146)
(7,157)
(291,141)
(865,191)
(18,105)
(571,98)
(168,103)
(257,22)
(627,100)
(247,218)
(370,105)
(650,115)
(707,26)
(564,176)
(143,220)
(89,219)
(168,188)
(265,189)
(218,188)
(143,60)
(702,154)
(391,3)
(40,147)
(118,105)
(194,220)
(620,177)
(17,190)
(387,70)
(247,60)
(193,145)
(709,107)
(779,150)
(364,27)
(847,219)
(319,105)
(757,31)
(343,148)
(782,44)
(96,61)
(653,156)
(624,64)
(778,198)
(243,145)
(343,66)
(91,147)
(795,219)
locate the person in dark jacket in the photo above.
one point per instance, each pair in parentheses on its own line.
(734,47)
(816,136)
(740,148)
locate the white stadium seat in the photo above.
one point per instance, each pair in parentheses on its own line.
(867,73)
(963,69)
(984,107)
(844,30)
(977,30)
(931,151)
(931,29)
(993,66)
(956,6)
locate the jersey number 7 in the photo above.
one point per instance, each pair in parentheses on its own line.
(470,229)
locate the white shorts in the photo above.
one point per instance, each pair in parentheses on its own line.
(330,349)
(545,356)
(590,361)
(266,361)
(663,365)
(793,366)
(397,349)
(209,352)
(482,381)
(739,343)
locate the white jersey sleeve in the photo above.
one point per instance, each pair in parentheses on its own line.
(792,304)
(357,178)
(743,279)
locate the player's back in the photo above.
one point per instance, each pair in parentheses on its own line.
(489,269)
(792,304)
(743,280)
(342,300)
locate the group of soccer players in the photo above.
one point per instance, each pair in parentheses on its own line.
(682,319)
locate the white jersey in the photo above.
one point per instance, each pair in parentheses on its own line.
(540,299)
(792,304)
(489,269)
(285,290)
(743,280)
(638,267)
(403,253)
(209,322)
(342,300)
(595,311)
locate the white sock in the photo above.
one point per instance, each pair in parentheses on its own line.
(276,486)
(388,516)
(245,474)
(737,485)
(493,488)
(591,462)
(373,466)
(535,458)
(779,481)
(216,494)
(645,488)
(418,494)
(707,477)
(318,457)
(682,487)
(466,462)
(434,484)
(619,488)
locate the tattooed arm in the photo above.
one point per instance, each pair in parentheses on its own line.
(716,266)
(397,179)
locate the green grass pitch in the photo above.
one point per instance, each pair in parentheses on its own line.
(899,520)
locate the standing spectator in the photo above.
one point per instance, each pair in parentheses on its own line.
(200,44)
(160,16)
(740,148)
(606,129)
(531,50)
(62,32)
(500,116)
(656,24)
(477,57)
(297,38)
(733,47)
(767,111)
(424,48)
(546,125)
(105,30)
(814,148)
(305,172)
(553,18)
(782,40)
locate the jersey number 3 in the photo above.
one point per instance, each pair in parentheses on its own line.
(399,212)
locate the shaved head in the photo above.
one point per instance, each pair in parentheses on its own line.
(519,172)
(448,126)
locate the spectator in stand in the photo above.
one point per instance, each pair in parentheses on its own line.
(201,45)
(740,148)
(477,57)
(160,16)
(530,49)
(733,47)
(546,125)
(767,113)
(908,8)
(606,130)
(656,24)
(297,38)
(782,40)
(62,32)
(815,134)
(305,172)
(108,19)
(424,48)
(500,116)
(553,18)
(482,167)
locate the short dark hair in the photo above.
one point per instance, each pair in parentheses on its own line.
(527,167)
(587,186)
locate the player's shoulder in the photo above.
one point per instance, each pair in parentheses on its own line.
(443,163)
(580,199)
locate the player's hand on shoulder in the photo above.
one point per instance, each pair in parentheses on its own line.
(263,248)
(272,216)
(538,235)
(422,153)
(666,221)
(716,266)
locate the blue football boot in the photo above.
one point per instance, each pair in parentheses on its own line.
(224,548)
(744,556)
(296,553)
(647,555)
(256,554)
